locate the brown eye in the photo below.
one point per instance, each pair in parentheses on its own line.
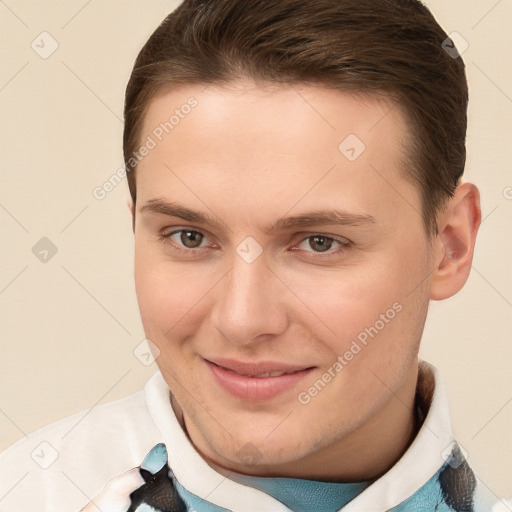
(191,239)
(320,243)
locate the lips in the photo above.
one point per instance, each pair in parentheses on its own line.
(261,369)
(256,382)
(267,374)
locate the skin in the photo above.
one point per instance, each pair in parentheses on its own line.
(247,155)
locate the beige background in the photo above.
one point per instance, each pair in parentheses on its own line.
(69,326)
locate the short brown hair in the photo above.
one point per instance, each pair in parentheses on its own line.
(391,47)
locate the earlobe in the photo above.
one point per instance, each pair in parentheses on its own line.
(454,246)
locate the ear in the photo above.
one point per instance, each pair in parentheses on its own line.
(458,225)
(131,208)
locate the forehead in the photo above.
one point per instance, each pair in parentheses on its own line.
(269,148)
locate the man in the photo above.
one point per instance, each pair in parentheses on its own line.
(295,174)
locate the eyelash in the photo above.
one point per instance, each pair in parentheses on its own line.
(344,244)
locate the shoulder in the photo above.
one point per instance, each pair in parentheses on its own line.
(66,462)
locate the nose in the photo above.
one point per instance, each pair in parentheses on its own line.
(250,303)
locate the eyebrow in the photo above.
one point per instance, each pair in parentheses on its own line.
(315,218)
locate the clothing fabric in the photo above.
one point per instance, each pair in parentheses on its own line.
(63,466)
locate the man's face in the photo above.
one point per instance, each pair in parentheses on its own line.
(341,305)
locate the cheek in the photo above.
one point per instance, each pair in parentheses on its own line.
(372,313)
(377,333)
(169,294)
(348,300)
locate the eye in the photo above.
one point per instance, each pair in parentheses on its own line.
(186,239)
(322,244)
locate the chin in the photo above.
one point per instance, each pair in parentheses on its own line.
(263,448)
